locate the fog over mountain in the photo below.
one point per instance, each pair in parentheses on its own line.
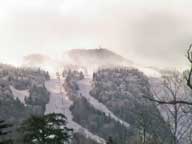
(91,59)
(149,32)
(95,72)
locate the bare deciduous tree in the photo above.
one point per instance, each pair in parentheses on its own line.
(172,90)
(175,101)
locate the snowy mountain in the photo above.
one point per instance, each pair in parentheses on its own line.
(77,57)
(96,57)
(100,119)
(100,93)
(89,60)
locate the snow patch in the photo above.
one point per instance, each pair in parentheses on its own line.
(60,103)
(150,72)
(84,90)
(20,94)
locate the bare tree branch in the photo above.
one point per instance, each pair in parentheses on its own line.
(189,56)
(173,102)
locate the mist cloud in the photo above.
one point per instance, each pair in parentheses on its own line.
(149,32)
(162,37)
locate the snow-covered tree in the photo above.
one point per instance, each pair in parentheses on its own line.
(48,129)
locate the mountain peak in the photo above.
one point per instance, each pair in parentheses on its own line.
(100,56)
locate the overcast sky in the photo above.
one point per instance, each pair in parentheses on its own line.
(149,32)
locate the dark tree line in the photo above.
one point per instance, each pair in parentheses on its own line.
(3,132)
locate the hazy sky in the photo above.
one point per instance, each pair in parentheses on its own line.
(150,32)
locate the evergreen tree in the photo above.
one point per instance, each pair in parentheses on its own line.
(4,132)
(48,129)
(110,140)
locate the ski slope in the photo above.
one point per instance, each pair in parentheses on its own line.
(20,94)
(84,89)
(60,103)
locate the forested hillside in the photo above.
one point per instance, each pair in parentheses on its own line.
(22,93)
(122,90)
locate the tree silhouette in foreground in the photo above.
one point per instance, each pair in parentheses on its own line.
(48,129)
(4,132)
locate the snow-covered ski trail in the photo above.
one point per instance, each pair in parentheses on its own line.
(84,90)
(60,103)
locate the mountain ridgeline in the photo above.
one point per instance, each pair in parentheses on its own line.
(91,59)
(98,57)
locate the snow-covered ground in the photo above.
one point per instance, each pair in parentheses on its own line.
(20,94)
(84,89)
(60,103)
